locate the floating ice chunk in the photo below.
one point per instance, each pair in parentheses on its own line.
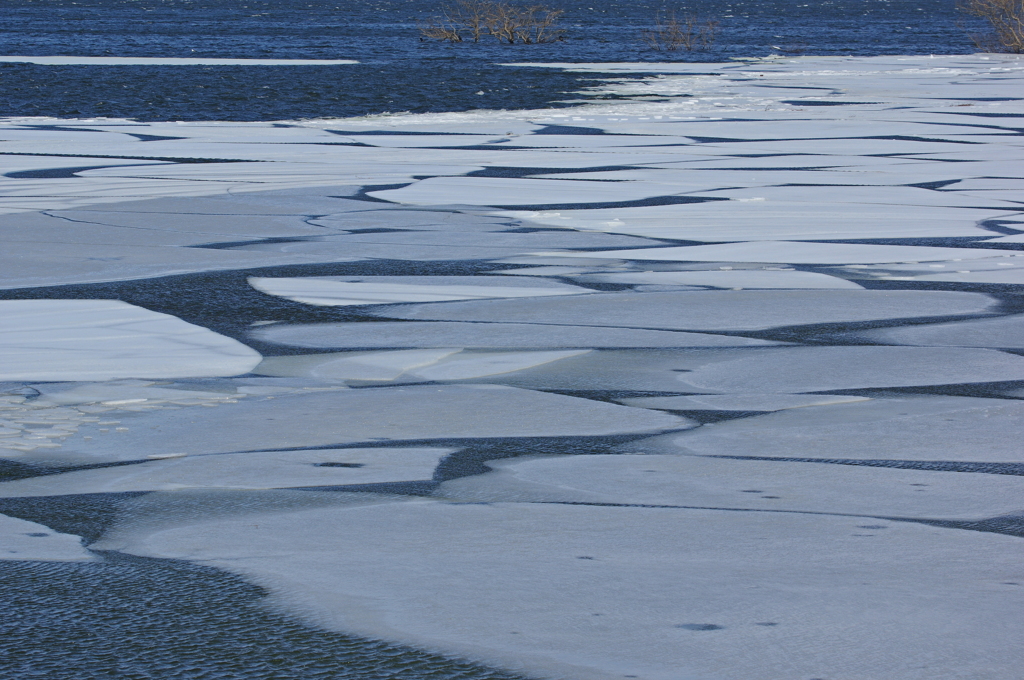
(480,364)
(739,402)
(1000,267)
(24,540)
(498,191)
(706,310)
(745,278)
(931,429)
(274,470)
(1002,332)
(901,196)
(744,484)
(412,365)
(108,339)
(813,369)
(372,290)
(118,393)
(752,220)
(352,365)
(792,252)
(360,335)
(676,609)
(323,418)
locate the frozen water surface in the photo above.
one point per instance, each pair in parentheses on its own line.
(483,384)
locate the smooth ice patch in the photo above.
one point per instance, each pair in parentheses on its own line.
(413,365)
(24,540)
(497,191)
(324,418)
(1002,332)
(735,278)
(792,252)
(273,470)
(373,290)
(706,310)
(744,484)
(108,339)
(739,402)
(923,428)
(589,593)
(813,369)
(360,335)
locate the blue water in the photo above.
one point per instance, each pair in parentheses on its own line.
(398,70)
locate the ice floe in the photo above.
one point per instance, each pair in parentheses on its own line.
(325,418)
(706,310)
(814,369)
(696,593)
(372,290)
(363,335)
(739,402)
(273,470)
(1002,332)
(741,278)
(744,485)
(788,252)
(914,429)
(410,365)
(24,540)
(109,339)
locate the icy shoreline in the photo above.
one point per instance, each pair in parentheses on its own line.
(789,290)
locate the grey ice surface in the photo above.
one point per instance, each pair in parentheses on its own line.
(323,418)
(467,430)
(770,486)
(480,335)
(707,310)
(947,429)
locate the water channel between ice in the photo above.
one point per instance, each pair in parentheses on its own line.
(723,380)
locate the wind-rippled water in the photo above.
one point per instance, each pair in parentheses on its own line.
(397,71)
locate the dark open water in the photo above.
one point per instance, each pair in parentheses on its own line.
(398,71)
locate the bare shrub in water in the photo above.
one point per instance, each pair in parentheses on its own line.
(671,33)
(508,24)
(1006,17)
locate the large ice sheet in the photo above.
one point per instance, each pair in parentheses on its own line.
(739,402)
(1003,332)
(731,278)
(591,593)
(929,429)
(705,310)
(325,418)
(362,335)
(494,191)
(744,484)
(24,540)
(410,365)
(751,220)
(276,470)
(109,339)
(370,290)
(814,369)
(790,252)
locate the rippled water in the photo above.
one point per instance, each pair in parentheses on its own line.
(398,71)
